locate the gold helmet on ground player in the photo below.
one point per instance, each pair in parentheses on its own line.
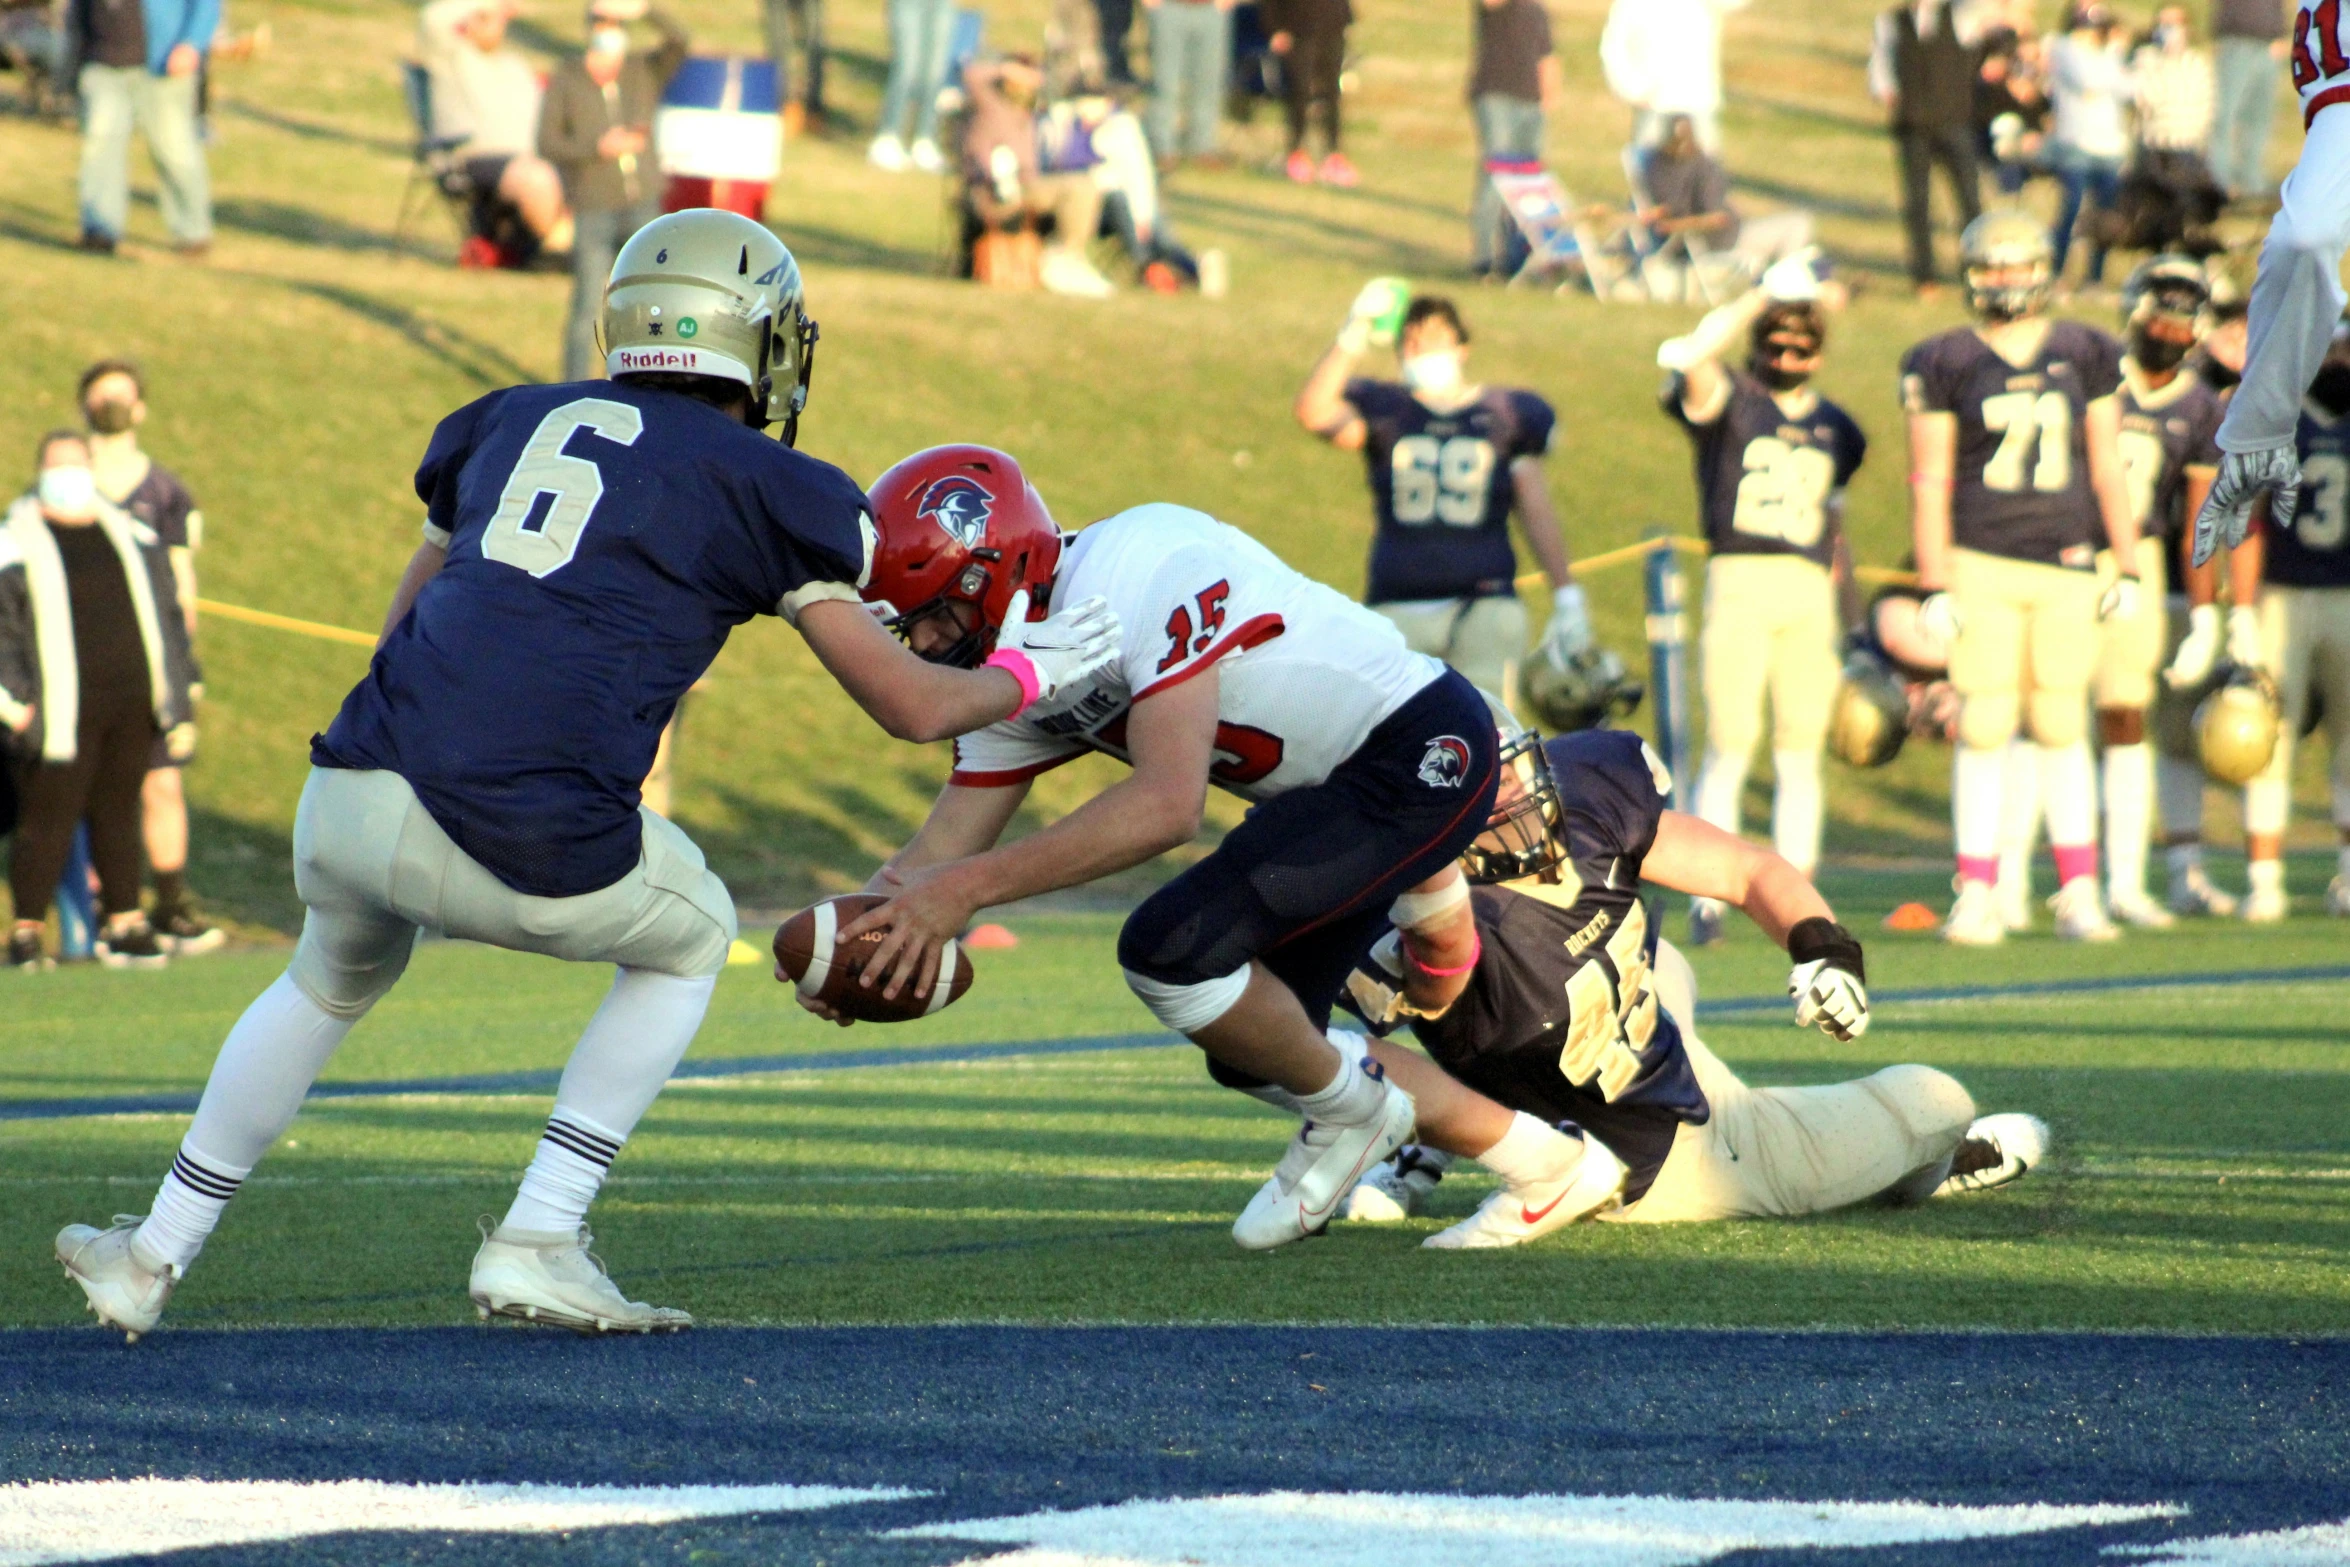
(710,293)
(2009,264)
(1520,837)
(2236,727)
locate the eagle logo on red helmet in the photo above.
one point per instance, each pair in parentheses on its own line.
(960,506)
(1446,764)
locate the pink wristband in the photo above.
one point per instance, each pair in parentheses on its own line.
(1476,950)
(1021,668)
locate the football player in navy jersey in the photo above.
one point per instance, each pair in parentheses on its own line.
(1449,462)
(1575,1014)
(587,549)
(2305,636)
(2014,462)
(1773,458)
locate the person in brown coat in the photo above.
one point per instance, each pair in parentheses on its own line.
(596,127)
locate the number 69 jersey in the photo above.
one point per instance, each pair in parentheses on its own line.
(602,541)
(1765,476)
(2021,484)
(1441,490)
(2313,551)
(1305,674)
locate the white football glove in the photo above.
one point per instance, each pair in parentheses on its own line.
(1830,999)
(1569,630)
(2227,511)
(2198,650)
(2245,649)
(1938,617)
(1794,279)
(1063,651)
(2119,600)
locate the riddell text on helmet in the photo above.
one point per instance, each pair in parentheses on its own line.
(656,359)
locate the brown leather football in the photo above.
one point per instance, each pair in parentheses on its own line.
(809,954)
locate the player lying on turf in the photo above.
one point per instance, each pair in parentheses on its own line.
(587,549)
(1574,1013)
(1371,768)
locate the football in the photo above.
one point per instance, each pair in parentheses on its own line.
(808,954)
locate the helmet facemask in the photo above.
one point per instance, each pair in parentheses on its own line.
(965,648)
(1786,344)
(1521,837)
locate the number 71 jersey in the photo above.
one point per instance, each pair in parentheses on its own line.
(1305,673)
(2021,482)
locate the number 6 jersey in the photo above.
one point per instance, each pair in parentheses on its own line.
(2021,483)
(602,541)
(1441,491)
(1305,673)
(1765,476)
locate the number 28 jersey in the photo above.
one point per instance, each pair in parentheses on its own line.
(2313,551)
(602,541)
(1764,476)
(1441,491)
(1305,674)
(2021,484)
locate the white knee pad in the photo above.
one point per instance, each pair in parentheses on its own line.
(1414,910)
(1189,1008)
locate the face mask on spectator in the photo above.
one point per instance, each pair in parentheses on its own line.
(1436,371)
(608,40)
(69,494)
(110,417)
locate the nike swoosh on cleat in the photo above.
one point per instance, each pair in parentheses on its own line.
(1537,1215)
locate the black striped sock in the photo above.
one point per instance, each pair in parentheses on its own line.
(595,1148)
(203,1180)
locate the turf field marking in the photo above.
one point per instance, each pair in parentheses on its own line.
(92,1520)
(2319,1545)
(956,1055)
(1328,1529)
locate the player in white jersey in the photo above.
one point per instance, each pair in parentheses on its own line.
(2297,298)
(1370,768)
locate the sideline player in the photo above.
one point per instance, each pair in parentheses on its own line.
(1773,459)
(2014,460)
(1575,1012)
(1370,768)
(587,549)
(2296,298)
(1450,462)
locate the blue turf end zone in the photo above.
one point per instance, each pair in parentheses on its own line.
(2246,1434)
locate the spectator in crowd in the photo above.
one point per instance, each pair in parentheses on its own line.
(114,404)
(1092,135)
(2251,37)
(1515,79)
(140,61)
(1685,196)
(93,666)
(920,33)
(597,129)
(1924,67)
(487,92)
(1664,57)
(1007,185)
(1114,21)
(804,19)
(2090,83)
(1191,61)
(2011,110)
(1310,38)
(1073,64)
(2171,191)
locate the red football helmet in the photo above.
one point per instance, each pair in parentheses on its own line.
(960,524)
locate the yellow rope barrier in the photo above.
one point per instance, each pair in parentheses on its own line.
(306,628)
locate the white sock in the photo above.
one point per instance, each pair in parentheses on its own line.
(1975,793)
(2178,794)
(265,1067)
(1721,782)
(1532,1152)
(2068,792)
(2265,875)
(1352,1097)
(2019,813)
(1795,809)
(2129,800)
(2268,806)
(623,1059)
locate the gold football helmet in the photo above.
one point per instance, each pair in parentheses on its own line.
(2236,727)
(1871,717)
(2009,264)
(707,292)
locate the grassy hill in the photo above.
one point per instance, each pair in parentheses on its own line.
(297,375)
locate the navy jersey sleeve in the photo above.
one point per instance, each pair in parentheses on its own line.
(444,463)
(819,544)
(1536,424)
(1852,448)
(2101,364)
(1673,397)
(1927,387)
(2203,438)
(1615,787)
(1376,400)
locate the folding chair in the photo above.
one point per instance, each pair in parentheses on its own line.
(1558,237)
(430,164)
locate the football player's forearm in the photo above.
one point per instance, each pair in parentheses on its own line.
(1321,402)
(1546,536)
(1778,898)
(1118,829)
(1930,532)
(422,567)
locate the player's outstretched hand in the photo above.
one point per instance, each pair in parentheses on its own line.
(2227,511)
(2245,649)
(1064,650)
(1830,999)
(2119,601)
(918,921)
(2198,649)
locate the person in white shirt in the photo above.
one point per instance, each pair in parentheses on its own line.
(2089,78)
(1664,57)
(488,92)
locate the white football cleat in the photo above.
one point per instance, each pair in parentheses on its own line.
(2266,906)
(1974,919)
(2136,908)
(1398,1189)
(1513,1216)
(2080,912)
(125,1289)
(1321,1166)
(2193,893)
(1999,1150)
(552,1278)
